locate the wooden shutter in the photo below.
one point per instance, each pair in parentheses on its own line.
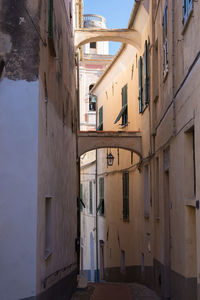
(101,195)
(91,203)
(124,95)
(100,118)
(50,25)
(125,195)
(81,196)
(146,73)
(140,86)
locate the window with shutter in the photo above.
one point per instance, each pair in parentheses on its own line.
(140,86)
(187,8)
(124,110)
(81,197)
(101,195)
(100,127)
(50,28)
(125,179)
(165,41)
(146,73)
(91,200)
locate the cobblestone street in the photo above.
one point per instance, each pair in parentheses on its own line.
(115,291)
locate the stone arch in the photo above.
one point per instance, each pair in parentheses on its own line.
(127,36)
(88,141)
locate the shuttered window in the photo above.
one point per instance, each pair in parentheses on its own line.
(91,198)
(146,65)
(187,8)
(101,195)
(140,85)
(81,196)
(50,29)
(125,179)
(100,127)
(165,41)
(50,25)
(124,110)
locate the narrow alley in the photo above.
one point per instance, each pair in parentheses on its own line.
(115,291)
(99,150)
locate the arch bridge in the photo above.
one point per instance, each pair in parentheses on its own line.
(127,36)
(90,140)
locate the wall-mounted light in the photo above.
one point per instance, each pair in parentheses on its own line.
(110,159)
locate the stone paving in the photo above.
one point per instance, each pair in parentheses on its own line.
(115,291)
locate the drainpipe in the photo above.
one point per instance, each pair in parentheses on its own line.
(173,71)
(78,172)
(97,233)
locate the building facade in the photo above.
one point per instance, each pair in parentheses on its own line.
(151,204)
(38,225)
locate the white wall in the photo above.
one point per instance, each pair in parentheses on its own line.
(18,186)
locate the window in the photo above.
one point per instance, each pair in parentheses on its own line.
(187,8)
(101,196)
(50,28)
(100,127)
(81,197)
(123,266)
(91,200)
(157,187)
(124,110)
(146,191)
(144,71)
(93,45)
(189,164)
(125,196)
(165,41)
(48,225)
(92,99)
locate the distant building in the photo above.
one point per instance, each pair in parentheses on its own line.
(95,59)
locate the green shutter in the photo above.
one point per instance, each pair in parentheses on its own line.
(124,95)
(81,196)
(125,179)
(100,127)
(50,26)
(140,85)
(146,73)
(91,204)
(101,195)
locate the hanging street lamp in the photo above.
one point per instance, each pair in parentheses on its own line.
(110,159)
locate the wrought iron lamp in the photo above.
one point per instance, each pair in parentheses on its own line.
(110,159)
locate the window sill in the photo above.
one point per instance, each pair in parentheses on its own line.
(126,220)
(190,202)
(124,125)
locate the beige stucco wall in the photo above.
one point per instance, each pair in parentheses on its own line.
(57,169)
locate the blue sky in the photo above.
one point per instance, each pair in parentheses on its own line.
(116,12)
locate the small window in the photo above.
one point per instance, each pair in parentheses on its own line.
(93,45)
(81,197)
(189,164)
(100,127)
(144,78)
(124,110)
(125,179)
(91,198)
(101,196)
(187,8)
(48,227)
(123,266)
(92,99)
(146,190)
(165,41)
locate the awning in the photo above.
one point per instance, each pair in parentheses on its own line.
(121,113)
